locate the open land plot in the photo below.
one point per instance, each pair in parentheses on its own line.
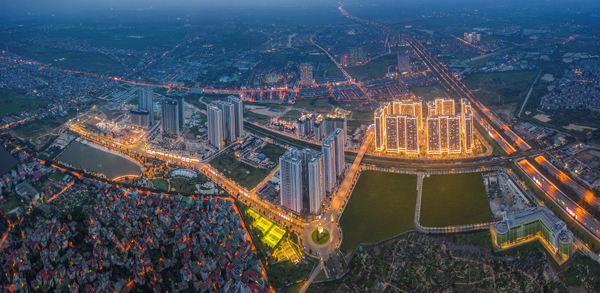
(12,102)
(376,68)
(291,115)
(76,60)
(498,88)
(430,92)
(314,104)
(272,151)
(382,205)
(454,199)
(242,173)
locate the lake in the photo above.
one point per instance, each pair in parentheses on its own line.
(7,161)
(90,158)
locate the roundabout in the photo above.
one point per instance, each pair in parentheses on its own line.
(320,236)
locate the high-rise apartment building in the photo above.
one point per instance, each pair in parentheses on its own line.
(468,130)
(433,135)
(139,118)
(335,121)
(229,122)
(403,63)
(328,150)
(290,191)
(170,116)
(238,109)
(380,129)
(215,125)
(306,75)
(146,102)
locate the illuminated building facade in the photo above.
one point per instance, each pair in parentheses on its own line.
(146,103)
(328,150)
(306,75)
(468,130)
(380,129)
(304,125)
(397,126)
(403,63)
(523,226)
(170,116)
(139,118)
(238,109)
(454,145)
(215,125)
(433,135)
(229,124)
(290,192)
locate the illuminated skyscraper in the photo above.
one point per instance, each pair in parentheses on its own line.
(139,118)
(238,109)
(229,122)
(412,134)
(403,63)
(290,192)
(215,125)
(379,129)
(304,125)
(443,133)
(431,109)
(170,116)
(468,131)
(454,134)
(444,107)
(433,135)
(391,133)
(464,106)
(319,128)
(146,102)
(314,180)
(335,121)
(328,150)
(409,107)
(340,156)
(306,75)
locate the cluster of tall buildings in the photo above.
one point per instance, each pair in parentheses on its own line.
(399,124)
(144,115)
(403,63)
(307,176)
(225,121)
(306,75)
(472,37)
(356,56)
(321,125)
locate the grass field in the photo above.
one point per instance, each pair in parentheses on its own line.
(430,92)
(499,88)
(272,151)
(382,205)
(84,61)
(44,126)
(375,69)
(454,199)
(161,184)
(291,115)
(12,101)
(242,173)
(313,104)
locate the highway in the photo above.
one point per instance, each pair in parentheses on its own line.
(578,214)
(587,195)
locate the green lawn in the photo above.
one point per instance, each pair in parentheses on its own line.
(314,104)
(375,69)
(160,184)
(382,205)
(499,88)
(76,60)
(242,173)
(454,199)
(10,204)
(430,92)
(12,101)
(272,151)
(283,273)
(291,115)
(322,238)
